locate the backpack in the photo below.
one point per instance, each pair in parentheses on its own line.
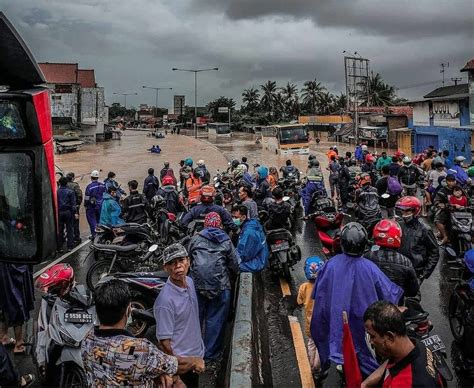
(393,186)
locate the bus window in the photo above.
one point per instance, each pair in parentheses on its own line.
(17,229)
(293,135)
(11,126)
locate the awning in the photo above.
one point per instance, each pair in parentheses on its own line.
(404,129)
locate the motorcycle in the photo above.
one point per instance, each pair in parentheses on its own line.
(144,287)
(284,253)
(223,183)
(291,191)
(63,323)
(461,230)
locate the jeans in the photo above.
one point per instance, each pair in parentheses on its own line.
(66,220)
(213,316)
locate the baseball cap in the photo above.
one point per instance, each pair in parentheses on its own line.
(95,174)
(174,251)
(450,177)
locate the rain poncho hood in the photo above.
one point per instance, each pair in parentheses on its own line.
(214,234)
(262,173)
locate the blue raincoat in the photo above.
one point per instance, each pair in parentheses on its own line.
(460,174)
(110,212)
(349,284)
(252,247)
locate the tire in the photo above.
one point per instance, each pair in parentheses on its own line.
(286,271)
(97,271)
(456,316)
(72,376)
(137,327)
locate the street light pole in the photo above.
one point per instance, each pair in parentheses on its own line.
(156,99)
(125,96)
(195,71)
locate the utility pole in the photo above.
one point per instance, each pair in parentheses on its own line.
(456,80)
(443,67)
(156,100)
(125,95)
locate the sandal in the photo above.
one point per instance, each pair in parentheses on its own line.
(11,342)
(22,350)
(26,380)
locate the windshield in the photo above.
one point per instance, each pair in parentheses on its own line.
(293,135)
(17,236)
(222,129)
(11,126)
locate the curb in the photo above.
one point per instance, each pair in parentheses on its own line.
(241,357)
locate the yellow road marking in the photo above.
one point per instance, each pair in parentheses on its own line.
(285,287)
(301,353)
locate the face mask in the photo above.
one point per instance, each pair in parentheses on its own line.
(237,221)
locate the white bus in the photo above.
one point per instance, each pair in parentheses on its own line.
(286,139)
(218,129)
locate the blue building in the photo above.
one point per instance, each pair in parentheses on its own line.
(442,120)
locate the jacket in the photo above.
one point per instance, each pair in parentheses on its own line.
(66,200)
(396,267)
(394,168)
(150,186)
(110,212)
(204,174)
(263,191)
(134,208)
(171,197)
(408,175)
(193,187)
(382,162)
(278,215)
(93,195)
(286,170)
(252,247)
(109,182)
(200,211)
(367,200)
(167,171)
(252,208)
(74,186)
(420,246)
(213,259)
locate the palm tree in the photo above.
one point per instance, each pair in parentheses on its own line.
(250,97)
(340,103)
(290,94)
(311,94)
(279,106)
(380,93)
(326,103)
(267,102)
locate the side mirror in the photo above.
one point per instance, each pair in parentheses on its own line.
(153,248)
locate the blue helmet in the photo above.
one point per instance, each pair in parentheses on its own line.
(188,162)
(469,260)
(312,266)
(262,172)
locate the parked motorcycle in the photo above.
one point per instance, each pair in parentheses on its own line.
(284,253)
(65,318)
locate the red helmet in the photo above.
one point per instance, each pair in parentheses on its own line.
(409,203)
(369,158)
(167,181)
(57,280)
(207,194)
(388,234)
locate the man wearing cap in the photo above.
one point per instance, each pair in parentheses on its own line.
(215,262)
(176,311)
(93,201)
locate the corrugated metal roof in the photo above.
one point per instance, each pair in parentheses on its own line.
(469,65)
(60,73)
(448,91)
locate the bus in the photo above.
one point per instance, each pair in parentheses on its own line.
(218,129)
(286,139)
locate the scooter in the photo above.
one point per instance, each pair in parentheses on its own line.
(63,323)
(284,253)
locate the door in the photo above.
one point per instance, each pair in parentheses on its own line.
(404,142)
(423,141)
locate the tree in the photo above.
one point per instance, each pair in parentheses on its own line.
(380,93)
(267,102)
(326,103)
(292,106)
(340,103)
(213,108)
(311,94)
(250,97)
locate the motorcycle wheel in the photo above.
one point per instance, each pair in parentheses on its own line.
(72,376)
(97,271)
(456,316)
(286,271)
(137,327)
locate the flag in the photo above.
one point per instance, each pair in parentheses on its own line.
(351,364)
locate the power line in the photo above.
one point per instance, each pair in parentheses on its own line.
(410,86)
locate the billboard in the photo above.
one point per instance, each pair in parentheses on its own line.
(178,105)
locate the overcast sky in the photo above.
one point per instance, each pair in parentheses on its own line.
(131,43)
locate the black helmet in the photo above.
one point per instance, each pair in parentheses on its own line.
(158,202)
(353,239)
(313,163)
(234,163)
(311,157)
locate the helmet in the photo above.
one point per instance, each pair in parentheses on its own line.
(70,176)
(239,171)
(212,220)
(312,266)
(158,201)
(369,158)
(188,162)
(174,251)
(388,234)
(459,159)
(469,260)
(57,280)
(167,180)
(364,179)
(353,239)
(409,203)
(234,163)
(364,147)
(200,162)
(313,163)
(470,171)
(406,160)
(262,172)
(311,157)
(95,174)
(207,194)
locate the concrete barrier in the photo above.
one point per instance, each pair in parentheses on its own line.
(241,353)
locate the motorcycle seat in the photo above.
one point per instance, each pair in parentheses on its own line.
(279,234)
(153,275)
(115,248)
(415,316)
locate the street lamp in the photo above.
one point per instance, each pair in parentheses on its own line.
(195,71)
(125,95)
(156,89)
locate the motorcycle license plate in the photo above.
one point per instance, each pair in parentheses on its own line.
(280,247)
(434,343)
(78,317)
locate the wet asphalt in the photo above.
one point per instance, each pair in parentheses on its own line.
(130,160)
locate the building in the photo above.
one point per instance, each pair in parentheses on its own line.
(469,68)
(323,126)
(77,103)
(442,119)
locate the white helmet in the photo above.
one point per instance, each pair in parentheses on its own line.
(459,159)
(406,160)
(200,162)
(95,174)
(364,147)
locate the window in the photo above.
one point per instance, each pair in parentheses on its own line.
(293,135)
(17,229)
(11,125)
(56,98)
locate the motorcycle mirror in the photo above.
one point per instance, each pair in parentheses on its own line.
(451,252)
(217,185)
(385,196)
(286,198)
(153,248)
(215,179)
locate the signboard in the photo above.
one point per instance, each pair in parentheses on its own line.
(223,109)
(178,105)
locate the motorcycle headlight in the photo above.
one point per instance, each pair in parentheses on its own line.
(68,340)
